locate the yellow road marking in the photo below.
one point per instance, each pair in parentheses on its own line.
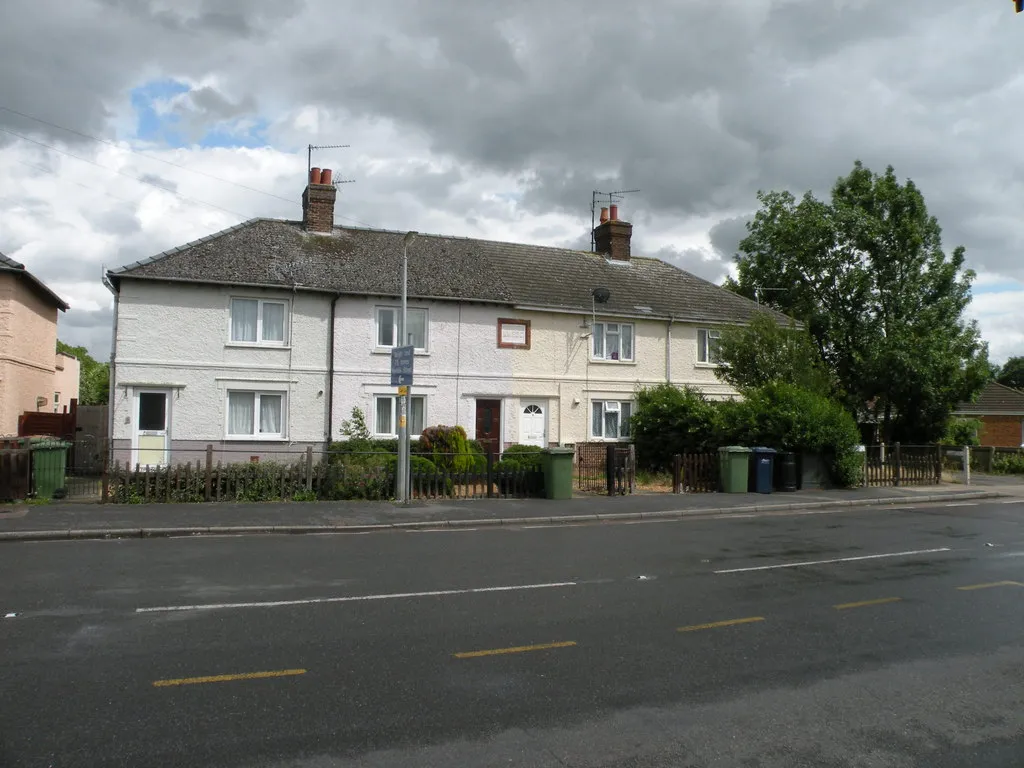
(992,584)
(865,603)
(516,649)
(228,678)
(715,624)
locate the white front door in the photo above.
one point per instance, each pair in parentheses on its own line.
(533,423)
(152,428)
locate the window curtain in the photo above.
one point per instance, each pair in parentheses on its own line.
(386,325)
(241,409)
(273,321)
(417,330)
(627,412)
(384,409)
(270,414)
(598,331)
(244,313)
(611,423)
(597,419)
(627,342)
(612,342)
(416,417)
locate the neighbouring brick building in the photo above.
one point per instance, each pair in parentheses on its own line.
(1001,411)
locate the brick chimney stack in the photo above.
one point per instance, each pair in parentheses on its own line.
(612,237)
(318,202)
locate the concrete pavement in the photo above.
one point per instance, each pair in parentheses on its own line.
(867,636)
(26,522)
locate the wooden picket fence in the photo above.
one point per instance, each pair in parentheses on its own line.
(15,474)
(695,473)
(368,476)
(902,465)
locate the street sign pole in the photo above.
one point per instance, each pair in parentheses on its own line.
(401,377)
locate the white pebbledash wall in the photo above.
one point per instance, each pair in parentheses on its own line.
(462,362)
(177,336)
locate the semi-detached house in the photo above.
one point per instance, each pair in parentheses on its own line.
(263,337)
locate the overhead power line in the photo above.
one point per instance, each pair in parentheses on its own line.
(143,154)
(126,175)
(156,159)
(84,186)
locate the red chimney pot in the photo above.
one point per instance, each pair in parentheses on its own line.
(613,213)
(314,175)
(604,215)
(325,176)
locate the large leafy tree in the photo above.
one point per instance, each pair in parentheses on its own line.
(1012,373)
(866,273)
(766,351)
(93,377)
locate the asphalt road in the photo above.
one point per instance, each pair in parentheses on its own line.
(860,638)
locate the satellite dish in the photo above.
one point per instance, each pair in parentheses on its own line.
(601,295)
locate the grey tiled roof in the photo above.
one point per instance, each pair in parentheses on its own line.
(368,262)
(7,264)
(994,399)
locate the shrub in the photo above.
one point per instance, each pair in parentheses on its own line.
(478,457)
(370,478)
(447,447)
(525,456)
(671,420)
(786,417)
(1008,464)
(961,431)
(260,481)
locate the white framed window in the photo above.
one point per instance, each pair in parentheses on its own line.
(388,319)
(707,346)
(258,321)
(612,341)
(609,419)
(256,415)
(385,415)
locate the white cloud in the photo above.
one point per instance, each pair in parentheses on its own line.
(476,120)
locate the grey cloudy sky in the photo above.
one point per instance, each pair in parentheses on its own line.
(497,119)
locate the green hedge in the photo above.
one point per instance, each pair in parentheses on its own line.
(1008,464)
(671,420)
(524,456)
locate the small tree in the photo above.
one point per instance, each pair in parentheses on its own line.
(766,351)
(671,420)
(355,428)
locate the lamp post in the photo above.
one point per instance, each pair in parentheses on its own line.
(402,478)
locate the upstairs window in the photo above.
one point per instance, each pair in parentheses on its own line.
(707,346)
(258,321)
(613,341)
(388,319)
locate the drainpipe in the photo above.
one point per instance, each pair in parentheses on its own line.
(668,350)
(112,372)
(330,373)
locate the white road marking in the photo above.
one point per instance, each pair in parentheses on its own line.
(353,598)
(10,615)
(1013,501)
(963,504)
(837,560)
(436,530)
